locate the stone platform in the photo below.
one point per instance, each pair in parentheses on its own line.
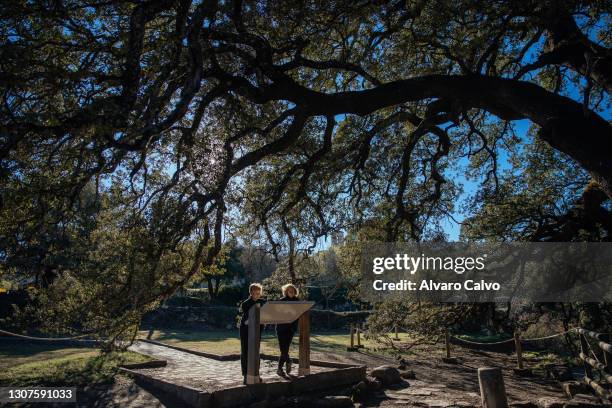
(206,380)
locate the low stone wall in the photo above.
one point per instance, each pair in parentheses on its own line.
(190,317)
(334,375)
(332,320)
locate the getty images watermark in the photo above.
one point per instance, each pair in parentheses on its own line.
(485,272)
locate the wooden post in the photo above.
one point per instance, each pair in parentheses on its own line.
(584,349)
(358,336)
(253,353)
(447,343)
(519,350)
(492,389)
(396,334)
(304,353)
(352,336)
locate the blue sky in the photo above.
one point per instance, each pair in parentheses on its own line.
(450,226)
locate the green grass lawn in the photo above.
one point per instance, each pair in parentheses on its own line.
(47,364)
(227,341)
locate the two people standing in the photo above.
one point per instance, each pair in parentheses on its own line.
(284,332)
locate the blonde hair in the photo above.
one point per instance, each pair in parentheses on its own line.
(288,286)
(255,286)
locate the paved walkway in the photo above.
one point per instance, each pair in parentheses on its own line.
(204,373)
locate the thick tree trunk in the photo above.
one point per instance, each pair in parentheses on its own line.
(217,283)
(211,288)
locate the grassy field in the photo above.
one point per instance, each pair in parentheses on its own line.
(47,364)
(227,341)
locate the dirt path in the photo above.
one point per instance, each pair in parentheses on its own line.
(439,384)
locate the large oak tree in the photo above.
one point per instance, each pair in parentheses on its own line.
(287,121)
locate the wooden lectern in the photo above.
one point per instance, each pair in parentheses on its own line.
(274,312)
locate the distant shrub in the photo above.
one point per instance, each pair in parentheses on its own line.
(201,293)
(231,295)
(186,301)
(192,318)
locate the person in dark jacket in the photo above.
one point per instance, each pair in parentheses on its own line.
(285,332)
(255,292)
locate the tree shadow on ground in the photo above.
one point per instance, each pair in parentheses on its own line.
(126,394)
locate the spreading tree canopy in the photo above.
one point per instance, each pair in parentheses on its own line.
(286,121)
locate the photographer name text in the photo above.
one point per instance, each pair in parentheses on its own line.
(430,285)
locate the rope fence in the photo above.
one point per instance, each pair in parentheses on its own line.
(23,336)
(79,340)
(475,343)
(552,336)
(395,330)
(597,360)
